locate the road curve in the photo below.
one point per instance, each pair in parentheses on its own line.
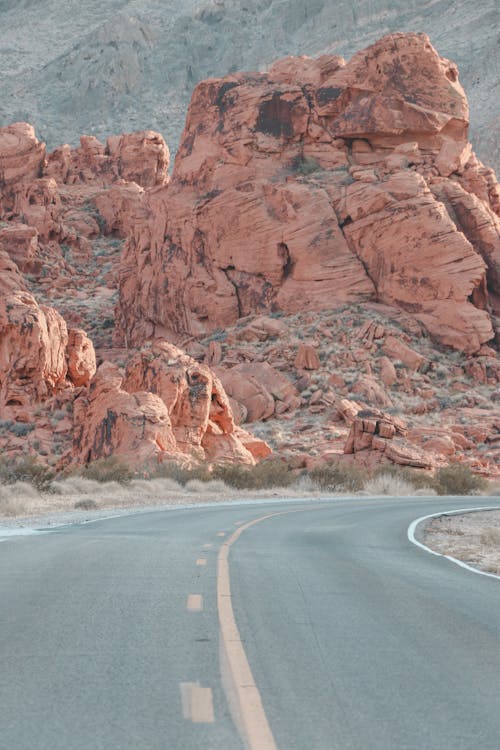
(113,634)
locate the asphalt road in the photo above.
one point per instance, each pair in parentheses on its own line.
(110,635)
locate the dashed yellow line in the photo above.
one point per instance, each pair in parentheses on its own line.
(194,603)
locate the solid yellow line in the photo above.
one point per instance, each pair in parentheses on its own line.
(242,693)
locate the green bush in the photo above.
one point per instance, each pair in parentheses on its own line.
(337,477)
(25,469)
(458,479)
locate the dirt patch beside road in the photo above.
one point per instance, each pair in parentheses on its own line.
(473,538)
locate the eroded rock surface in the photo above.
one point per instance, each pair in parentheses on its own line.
(318,183)
(166,406)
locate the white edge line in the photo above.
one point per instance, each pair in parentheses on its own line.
(413,526)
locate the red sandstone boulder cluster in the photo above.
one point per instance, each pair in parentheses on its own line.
(326,228)
(165,406)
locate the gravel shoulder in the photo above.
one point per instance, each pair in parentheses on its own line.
(473,538)
(38,511)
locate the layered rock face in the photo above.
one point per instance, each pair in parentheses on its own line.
(319,183)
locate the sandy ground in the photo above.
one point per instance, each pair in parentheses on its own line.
(473,538)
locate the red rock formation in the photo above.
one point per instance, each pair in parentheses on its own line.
(318,183)
(22,158)
(142,157)
(307,358)
(33,341)
(20,243)
(372,430)
(167,406)
(81,357)
(109,421)
(260,388)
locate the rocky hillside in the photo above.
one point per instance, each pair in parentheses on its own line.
(322,268)
(78,67)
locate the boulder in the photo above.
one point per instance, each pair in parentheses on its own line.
(260,388)
(81,357)
(307,358)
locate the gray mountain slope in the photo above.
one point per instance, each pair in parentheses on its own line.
(110,66)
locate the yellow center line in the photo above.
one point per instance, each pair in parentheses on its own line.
(197,703)
(194,603)
(242,694)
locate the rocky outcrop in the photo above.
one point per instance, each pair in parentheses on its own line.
(373,430)
(142,157)
(81,357)
(20,243)
(260,389)
(165,406)
(22,158)
(33,342)
(319,183)
(109,421)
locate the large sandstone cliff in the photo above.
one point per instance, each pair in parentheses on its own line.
(326,230)
(318,183)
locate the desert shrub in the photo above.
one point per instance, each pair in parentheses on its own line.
(179,473)
(387,484)
(196,485)
(21,429)
(154,488)
(25,469)
(418,478)
(75,485)
(86,503)
(265,475)
(107,470)
(458,479)
(16,498)
(337,477)
(306,165)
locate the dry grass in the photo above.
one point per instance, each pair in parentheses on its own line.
(388,484)
(108,484)
(491,536)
